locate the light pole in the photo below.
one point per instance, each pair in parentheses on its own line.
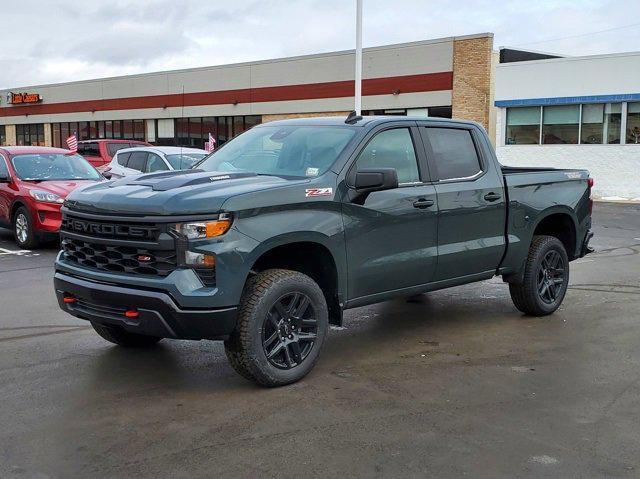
(358,90)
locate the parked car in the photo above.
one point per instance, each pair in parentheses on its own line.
(100,152)
(294,221)
(133,161)
(34,181)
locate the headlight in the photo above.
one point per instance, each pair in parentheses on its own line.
(45,196)
(204,229)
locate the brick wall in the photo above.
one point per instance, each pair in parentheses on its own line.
(286,116)
(472,74)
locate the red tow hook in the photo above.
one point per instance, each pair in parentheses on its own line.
(131,313)
(67,298)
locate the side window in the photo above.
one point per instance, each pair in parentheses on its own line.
(123,158)
(454,153)
(392,149)
(88,149)
(138,160)
(113,147)
(155,163)
(3,167)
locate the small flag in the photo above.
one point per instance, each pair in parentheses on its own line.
(210,145)
(72,143)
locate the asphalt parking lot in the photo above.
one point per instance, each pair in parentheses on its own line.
(454,383)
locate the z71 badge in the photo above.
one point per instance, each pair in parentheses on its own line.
(318,192)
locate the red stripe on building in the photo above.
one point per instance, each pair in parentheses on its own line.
(309,91)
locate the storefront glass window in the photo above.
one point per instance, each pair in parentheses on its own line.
(195,133)
(3,135)
(138,130)
(55,133)
(523,126)
(117,129)
(83,133)
(560,124)
(633,123)
(612,122)
(592,124)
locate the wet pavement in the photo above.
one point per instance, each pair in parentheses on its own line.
(454,383)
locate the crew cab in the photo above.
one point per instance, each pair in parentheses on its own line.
(100,152)
(270,238)
(34,181)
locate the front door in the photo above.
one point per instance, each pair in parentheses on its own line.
(6,194)
(391,237)
(471,203)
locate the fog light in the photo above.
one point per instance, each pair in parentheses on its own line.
(199,259)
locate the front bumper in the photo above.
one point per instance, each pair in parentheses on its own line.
(158,314)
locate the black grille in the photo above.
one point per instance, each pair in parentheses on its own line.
(119,259)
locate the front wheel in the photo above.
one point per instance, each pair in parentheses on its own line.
(282,323)
(23,230)
(546,278)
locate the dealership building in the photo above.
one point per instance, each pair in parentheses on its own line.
(573,112)
(444,77)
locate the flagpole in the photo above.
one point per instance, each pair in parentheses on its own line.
(358,92)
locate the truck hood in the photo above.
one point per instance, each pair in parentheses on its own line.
(170,193)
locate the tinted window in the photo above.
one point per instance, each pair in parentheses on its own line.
(155,163)
(392,149)
(113,147)
(123,158)
(137,160)
(88,149)
(454,153)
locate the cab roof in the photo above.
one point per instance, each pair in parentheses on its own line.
(363,121)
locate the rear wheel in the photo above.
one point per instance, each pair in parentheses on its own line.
(124,338)
(23,230)
(282,324)
(546,278)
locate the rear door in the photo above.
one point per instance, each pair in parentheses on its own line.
(471,203)
(391,236)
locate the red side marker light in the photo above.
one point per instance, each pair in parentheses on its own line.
(69,299)
(131,313)
(590,182)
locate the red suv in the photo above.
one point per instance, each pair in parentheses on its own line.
(100,152)
(34,181)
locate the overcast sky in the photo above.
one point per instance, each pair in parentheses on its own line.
(50,41)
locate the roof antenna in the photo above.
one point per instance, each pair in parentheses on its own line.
(352,118)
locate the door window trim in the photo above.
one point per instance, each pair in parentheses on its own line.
(423,169)
(431,156)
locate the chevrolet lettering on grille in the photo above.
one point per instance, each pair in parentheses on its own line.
(108,230)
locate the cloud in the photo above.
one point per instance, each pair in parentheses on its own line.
(66,40)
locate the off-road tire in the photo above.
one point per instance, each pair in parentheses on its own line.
(124,338)
(31,241)
(244,348)
(525,295)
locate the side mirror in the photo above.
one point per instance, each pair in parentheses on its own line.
(376,179)
(4,177)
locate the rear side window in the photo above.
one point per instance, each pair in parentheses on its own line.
(392,149)
(113,147)
(123,158)
(88,149)
(155,163)
(137,160)
(453,153)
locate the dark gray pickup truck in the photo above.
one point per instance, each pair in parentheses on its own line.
(271,237)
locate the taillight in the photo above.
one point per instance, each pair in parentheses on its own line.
(590,182)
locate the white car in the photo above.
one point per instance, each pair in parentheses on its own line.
(148,159)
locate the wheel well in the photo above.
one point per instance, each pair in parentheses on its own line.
(559,225)
(14,208)
(312,259)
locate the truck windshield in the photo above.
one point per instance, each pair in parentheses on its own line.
(53,166)
(286,151)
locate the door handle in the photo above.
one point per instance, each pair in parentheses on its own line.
(492,196)
(422,203)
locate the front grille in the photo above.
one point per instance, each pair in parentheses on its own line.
(119,259)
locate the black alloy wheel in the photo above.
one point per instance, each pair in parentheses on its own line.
(290,330)
(550,277)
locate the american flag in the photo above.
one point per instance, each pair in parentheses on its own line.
(72,143)
(211,144)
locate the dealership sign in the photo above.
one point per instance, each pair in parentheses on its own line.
(20,98)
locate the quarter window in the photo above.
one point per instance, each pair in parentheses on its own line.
(123,158)
(137,160)
(155,163)
(392,149)
(453,153)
